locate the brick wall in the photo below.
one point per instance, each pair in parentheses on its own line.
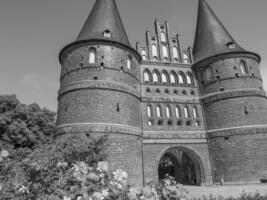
(238,158)
(231,112)
(104,98)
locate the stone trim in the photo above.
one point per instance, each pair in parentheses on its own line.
(210,82)
(99,84)
(174,141)
(100,128)
(157,99)
(168,64)
(240,130)
(62,76)
(174,134)
(233,94)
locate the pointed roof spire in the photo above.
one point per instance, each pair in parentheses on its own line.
(104,19)
(211,37)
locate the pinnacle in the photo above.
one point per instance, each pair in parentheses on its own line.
(211,37)
(104,22)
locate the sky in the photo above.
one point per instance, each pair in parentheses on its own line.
(32,32)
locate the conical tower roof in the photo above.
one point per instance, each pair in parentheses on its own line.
(211,37)
(104,17)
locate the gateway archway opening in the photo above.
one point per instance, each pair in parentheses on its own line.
(181,165)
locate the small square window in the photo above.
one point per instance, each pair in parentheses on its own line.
(107,34)
(231,45)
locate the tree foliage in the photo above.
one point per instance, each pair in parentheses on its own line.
(24,125)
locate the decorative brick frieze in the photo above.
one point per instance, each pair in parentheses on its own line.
(233,94)
(105,85)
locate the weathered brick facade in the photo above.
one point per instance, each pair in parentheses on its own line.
(203,108)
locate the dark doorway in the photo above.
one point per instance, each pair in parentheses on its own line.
(180,165)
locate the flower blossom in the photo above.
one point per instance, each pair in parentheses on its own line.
(120,176)
(115,184)
(66,198)
(102,166)
(80,171)
(105,192)
(98,196)
(62,164)
(23,189)
(93,177)
(4,153)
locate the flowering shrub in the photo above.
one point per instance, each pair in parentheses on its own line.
(98,184)
(169,189)
(47,173)
(60,179)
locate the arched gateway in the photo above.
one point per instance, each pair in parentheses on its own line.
(183,164)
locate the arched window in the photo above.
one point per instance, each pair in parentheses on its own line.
(186,58)
(165,52)
(159,113)
(243,67)
(155,77)
(129,62)
(154,51)
(186,112)
(164,78)
(175,53)
(181,78)
(173,78)
(177,112)
(189,79)
(168,111)
(92,55)
(144,55)
(195,112)
(208,74)
(149,111)
(163,37)
(147,77)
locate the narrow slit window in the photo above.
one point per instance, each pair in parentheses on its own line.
(195,113)
(144,55)
(92,55)
(159,114)
(243,68)
(173,79)
(129,62)
(165,53)
(181,79)
(189,79)
(208,74)
(149,111)
(186,112)
(168,111)
(186,58)
(146,77)
(154,52)
(164,78)
(163,37)
(175,53)
(177,112)
(155,77)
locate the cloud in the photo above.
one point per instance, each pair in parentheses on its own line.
(31,80)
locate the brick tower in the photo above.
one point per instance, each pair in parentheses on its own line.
(233,99)
(100,88)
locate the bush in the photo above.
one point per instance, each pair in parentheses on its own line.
(47,172)
(24,126)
